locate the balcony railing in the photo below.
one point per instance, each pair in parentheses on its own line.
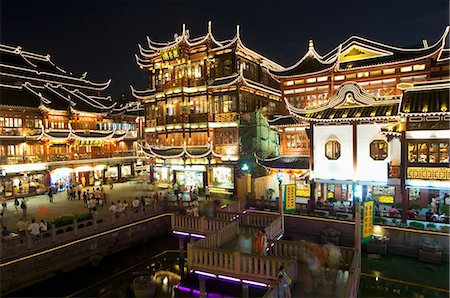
(196,118)
(226,117)
(8,160)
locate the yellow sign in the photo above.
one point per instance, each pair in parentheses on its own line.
(429,173)
(289,197)
(386,199)
(367,227)
(170,54)
(249,183)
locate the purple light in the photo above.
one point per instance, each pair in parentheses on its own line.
(198,236)
(181,233)
(205,273)
(196,292)
(212,295)
(254,283)
(245,211)
(229,278)
(184,289)
(252,208)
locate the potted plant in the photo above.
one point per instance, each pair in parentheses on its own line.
(430,251)
(378,245)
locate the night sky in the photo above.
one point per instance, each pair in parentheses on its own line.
(101,37)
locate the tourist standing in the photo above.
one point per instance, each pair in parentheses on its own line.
(263,243)
(79,191)
(282,288)
(34,229)
(113,208)
(43,226)
(207,193)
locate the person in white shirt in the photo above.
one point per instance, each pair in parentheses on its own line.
(119,207)
(113,208)
(43,226)
(34,228)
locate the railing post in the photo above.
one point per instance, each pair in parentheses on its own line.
(28,238)
(237,262)
(203,224)
(75,227)
(94,219)
(53,233)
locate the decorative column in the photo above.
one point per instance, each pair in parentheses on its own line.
(312,183)
(356,200)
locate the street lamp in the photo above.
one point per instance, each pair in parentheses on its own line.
(280,198)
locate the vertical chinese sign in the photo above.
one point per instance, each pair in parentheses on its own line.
(289,198)
(249,183)
(367,227)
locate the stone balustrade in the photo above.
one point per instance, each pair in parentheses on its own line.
(257,220)
(14,247)
(241,265)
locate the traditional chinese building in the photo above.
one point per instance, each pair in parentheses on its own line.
(57,128)
(199,91)
(348,102)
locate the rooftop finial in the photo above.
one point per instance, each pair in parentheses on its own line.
(184,29)
(209,27)
(238,34)
(311,44)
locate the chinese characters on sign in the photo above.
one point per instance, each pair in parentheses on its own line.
(367,227)
(249,183)
(289,197)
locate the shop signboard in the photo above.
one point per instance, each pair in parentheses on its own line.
(367,227)
(249,183)
(289,198)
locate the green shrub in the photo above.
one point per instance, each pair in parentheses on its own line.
(398,205)
(85,216)
(63,220)
(445,209)
(417,225)
(416,207)
(379,220)
(431,226)
(445,229)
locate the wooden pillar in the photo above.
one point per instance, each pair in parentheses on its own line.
(403,160)
(357,202)
(312,183)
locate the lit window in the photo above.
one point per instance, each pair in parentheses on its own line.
(297,82)
(419,67)
(443,152)
(351,76)
(339,78)
(379,150)
(322,79)
(363,74)
(406,69)
(375,73)
(289,83)
(311,80)
(389,71)
(332,149)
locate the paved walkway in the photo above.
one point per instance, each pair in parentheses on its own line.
(39,206)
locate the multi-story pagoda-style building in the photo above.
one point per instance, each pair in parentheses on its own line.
(349,102)
(57,129)
(199,91)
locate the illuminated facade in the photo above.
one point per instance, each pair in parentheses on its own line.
(348,102)
(57,128)
(199,91)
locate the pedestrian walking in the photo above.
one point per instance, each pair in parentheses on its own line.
(136,204)
(113,208)
(16,205)
(4,203)
(24,207)
(79,191)
(282,288)
(50,195)
(207,193)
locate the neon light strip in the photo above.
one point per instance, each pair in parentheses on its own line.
(198,236)
(255,283)
(181,233)
(228,278)
(205,274)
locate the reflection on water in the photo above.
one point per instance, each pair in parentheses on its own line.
(374,286)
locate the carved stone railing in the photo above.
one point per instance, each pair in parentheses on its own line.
(220,236)
(195,224)
(21,245)
(237,264)
(257,220)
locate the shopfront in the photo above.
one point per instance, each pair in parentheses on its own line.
(190,176)
(62,178)
(222,177)
(27,179)
(112,173)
